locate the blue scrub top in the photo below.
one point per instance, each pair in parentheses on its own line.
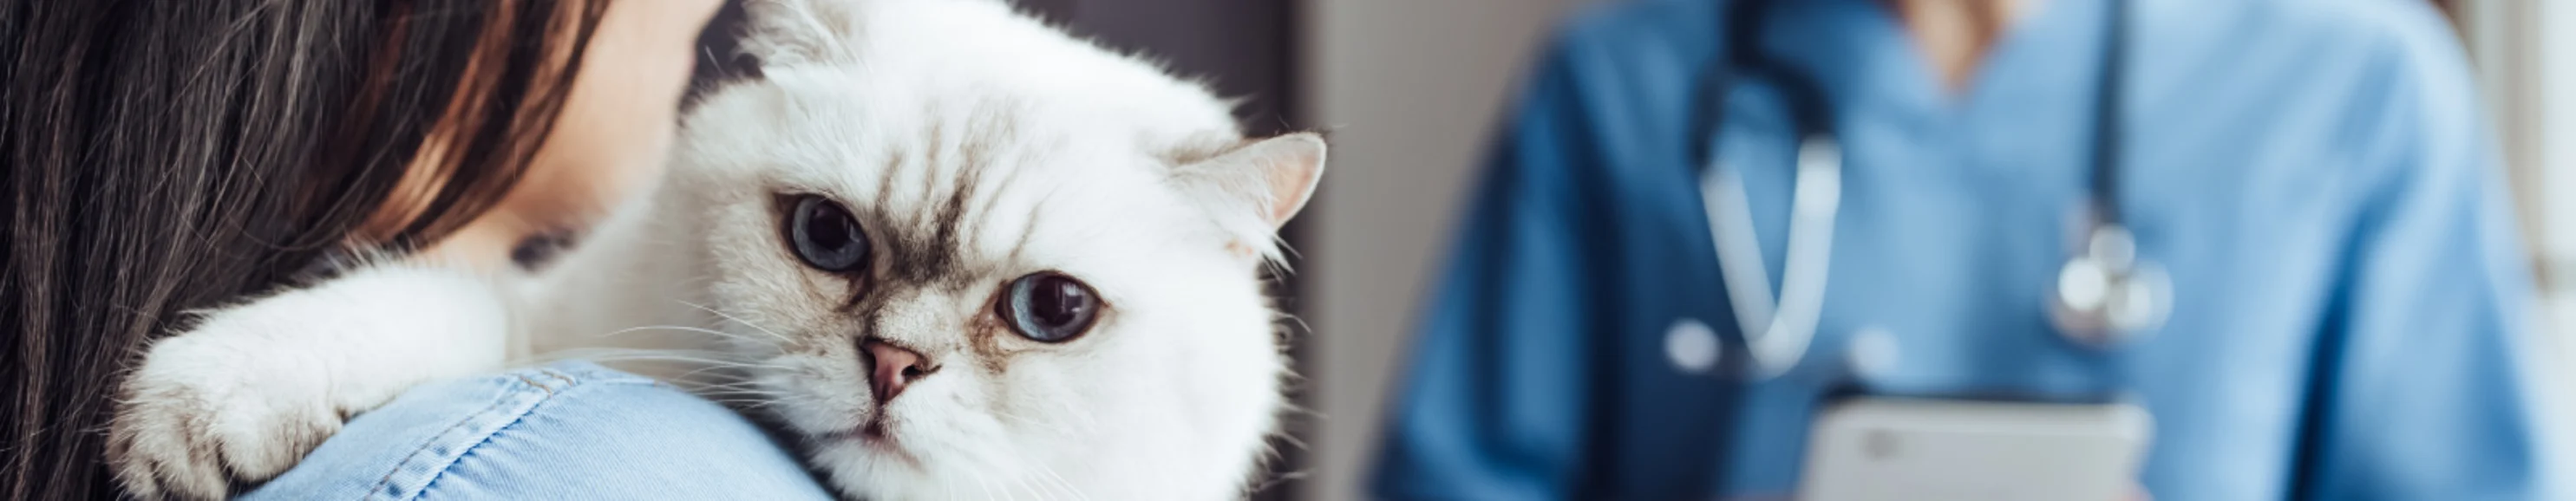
(2349,292)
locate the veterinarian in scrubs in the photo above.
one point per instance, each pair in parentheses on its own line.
(2346,295)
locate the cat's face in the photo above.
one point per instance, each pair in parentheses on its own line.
(994,292)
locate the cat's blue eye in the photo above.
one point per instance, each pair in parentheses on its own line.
(1049,307)
(825,235)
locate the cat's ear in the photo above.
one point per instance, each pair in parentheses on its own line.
(787,32)
(1269,178)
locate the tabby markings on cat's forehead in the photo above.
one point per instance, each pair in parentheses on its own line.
(930,250)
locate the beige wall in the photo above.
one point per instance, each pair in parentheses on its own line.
(1410,90)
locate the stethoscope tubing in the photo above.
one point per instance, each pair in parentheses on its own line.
(2113,297)
(1777,335)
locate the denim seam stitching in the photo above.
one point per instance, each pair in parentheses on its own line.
(550,398)
(534,384)
(374,492)
(567,379)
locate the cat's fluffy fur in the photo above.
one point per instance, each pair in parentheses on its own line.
(975,145)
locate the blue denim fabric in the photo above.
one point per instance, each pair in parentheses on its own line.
(566,431)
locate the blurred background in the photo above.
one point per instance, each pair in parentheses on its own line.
(1411,89)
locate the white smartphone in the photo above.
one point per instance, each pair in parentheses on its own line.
(1917,449)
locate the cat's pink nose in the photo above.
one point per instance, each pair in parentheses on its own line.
(893,368)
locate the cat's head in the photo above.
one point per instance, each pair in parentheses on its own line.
(967,256)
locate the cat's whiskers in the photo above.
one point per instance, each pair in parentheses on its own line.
(735,402)
(708,356)
(687,380)
(747,404)
(782,338)
(1060,482)
(1035,478)
(761,363)
(755,393)
(1031,485)
(1067,485)
(733,386)
(1023,484)
(714,394)
(981,485)
(743,404)
(690,377)
(1031,474)
(737,385)
(681,328)
(743,396)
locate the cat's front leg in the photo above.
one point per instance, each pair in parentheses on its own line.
(250,389)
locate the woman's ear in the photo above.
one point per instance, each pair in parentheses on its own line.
(1272,178)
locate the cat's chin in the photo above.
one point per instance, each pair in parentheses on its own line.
(874,439)
(876,467)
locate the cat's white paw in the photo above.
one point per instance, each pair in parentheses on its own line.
(251,389)
(244,394)
(213,409)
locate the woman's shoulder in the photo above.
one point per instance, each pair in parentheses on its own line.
(570,430)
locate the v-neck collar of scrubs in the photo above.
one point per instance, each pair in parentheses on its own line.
(1871,69)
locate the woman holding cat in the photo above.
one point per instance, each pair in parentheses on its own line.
(158,158)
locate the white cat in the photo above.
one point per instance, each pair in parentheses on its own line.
(949,245)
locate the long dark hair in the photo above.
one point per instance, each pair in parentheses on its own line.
(159,156)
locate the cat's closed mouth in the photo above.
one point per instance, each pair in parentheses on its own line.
(876,435)
(875,432)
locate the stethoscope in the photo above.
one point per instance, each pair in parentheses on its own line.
(2102,295)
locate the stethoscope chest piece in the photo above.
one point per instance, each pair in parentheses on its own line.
(2105,295)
